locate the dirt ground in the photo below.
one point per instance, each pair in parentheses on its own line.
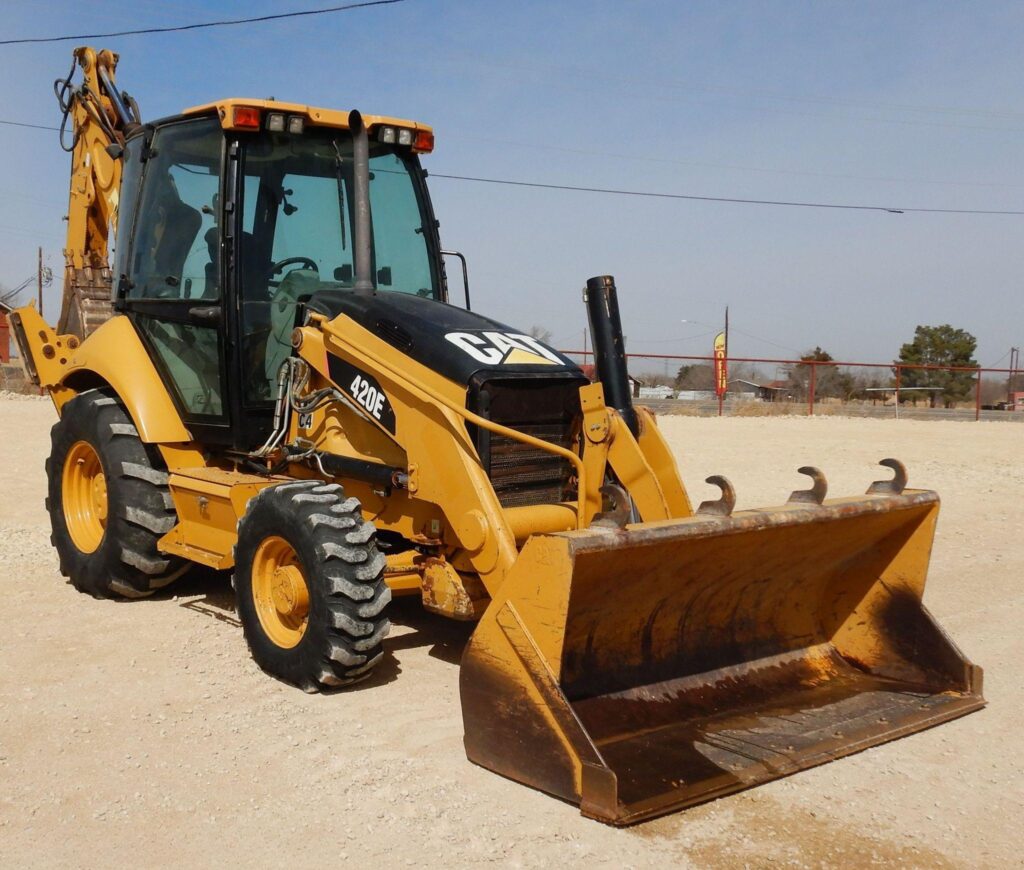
(141,733)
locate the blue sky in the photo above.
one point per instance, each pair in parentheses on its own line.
(902,104)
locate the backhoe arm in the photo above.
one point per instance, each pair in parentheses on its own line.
(99,116)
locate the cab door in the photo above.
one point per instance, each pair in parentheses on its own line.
(170,265)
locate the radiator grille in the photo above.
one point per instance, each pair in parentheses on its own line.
(547,408)
(526,475)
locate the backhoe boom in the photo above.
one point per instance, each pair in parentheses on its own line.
(99,115)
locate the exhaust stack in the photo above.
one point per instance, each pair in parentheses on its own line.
(362,229)
(609,348)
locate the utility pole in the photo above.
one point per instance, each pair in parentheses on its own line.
(727,332)
(725,364)
(1011,381)
(39,279)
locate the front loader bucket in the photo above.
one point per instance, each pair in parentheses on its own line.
(640,670)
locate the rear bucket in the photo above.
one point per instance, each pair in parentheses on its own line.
(641,670)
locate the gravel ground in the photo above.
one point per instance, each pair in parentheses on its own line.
(141,733)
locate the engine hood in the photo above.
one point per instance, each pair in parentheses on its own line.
(453,342)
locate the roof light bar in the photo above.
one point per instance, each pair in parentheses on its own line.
(424,142)
(245,117)
(421,141)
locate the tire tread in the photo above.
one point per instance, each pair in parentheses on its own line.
(346,579)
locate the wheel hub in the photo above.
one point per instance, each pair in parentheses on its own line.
(99,496)
(280,592)
(291,598)
(84,496)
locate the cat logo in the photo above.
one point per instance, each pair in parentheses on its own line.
(505,348)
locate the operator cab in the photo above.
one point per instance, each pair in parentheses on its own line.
(234,214)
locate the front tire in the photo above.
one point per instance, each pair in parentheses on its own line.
(309,586)
(108,501)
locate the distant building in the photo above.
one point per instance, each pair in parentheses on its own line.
(773,391)
(776,391)
(655,393)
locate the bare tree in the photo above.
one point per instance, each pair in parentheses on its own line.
(541,334)
(655,379)
(992,390)
(8,298)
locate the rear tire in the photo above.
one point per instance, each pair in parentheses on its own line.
(309,586)
(108,501)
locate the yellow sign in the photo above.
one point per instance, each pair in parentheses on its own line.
(721,366)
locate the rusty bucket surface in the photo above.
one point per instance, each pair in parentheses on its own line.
(636,671)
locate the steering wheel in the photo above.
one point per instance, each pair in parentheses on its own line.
(278,267)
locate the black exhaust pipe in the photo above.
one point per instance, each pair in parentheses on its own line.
(609,349)
(362,242)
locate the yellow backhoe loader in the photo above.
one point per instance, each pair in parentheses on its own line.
(270,379)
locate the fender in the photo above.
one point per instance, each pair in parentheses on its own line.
(113,355)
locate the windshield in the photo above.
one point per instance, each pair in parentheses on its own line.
(296,239)
(297,205)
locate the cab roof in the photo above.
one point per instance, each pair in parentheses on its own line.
(313,115)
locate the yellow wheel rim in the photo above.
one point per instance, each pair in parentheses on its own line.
(279,592)
(84,495)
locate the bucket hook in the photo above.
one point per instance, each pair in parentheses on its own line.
(723,505)
(814,495)
(894,486)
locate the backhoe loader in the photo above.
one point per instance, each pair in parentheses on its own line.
(270,379)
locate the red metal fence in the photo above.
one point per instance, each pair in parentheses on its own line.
(806,376)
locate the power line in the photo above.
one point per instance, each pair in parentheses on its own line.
(996,363)
(766,341)
(32,126)
(728,199)
(674,340)
(659,195)
(182,27)
(665,160)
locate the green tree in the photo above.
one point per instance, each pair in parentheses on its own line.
(829,382)
(940,346)
(700,376)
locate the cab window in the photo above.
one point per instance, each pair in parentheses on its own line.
(175,251)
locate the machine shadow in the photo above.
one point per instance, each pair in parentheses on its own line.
(446,638)
(209,593)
